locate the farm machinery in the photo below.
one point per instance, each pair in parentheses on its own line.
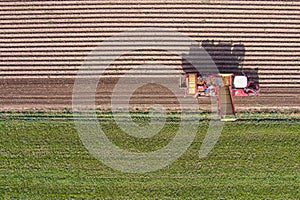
(225,82)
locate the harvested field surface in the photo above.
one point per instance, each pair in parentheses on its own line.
(56,94)
(44,43)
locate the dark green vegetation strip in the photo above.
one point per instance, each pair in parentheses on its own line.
(252,160)
(172,115)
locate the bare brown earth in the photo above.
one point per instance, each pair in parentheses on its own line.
(56,94)
(44,43)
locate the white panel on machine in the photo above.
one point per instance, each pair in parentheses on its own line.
(240,81)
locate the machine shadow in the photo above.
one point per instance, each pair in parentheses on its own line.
(227,56)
